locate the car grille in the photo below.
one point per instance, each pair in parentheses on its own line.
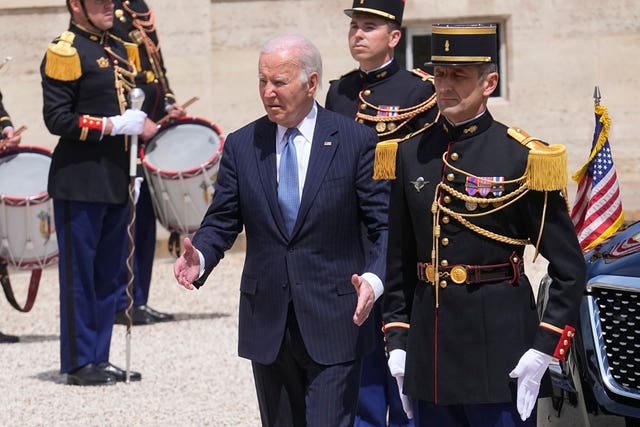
(615,321)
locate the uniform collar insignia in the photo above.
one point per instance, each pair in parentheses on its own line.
(468,129)
(380,74)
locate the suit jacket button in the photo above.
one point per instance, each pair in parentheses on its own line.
(284,285)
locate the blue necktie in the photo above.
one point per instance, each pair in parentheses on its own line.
(288,193)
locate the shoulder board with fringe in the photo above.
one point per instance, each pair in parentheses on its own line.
(133,52)
(62,59)
(422,74)
(384,163)
(546,164)
(344,75)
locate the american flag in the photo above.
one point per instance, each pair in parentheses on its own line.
(597,211)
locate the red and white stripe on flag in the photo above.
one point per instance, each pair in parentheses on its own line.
(597,210)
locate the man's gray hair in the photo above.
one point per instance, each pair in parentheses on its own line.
(307,54)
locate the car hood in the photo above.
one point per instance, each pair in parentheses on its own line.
(619,255)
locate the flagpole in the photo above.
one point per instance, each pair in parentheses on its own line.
(596,95)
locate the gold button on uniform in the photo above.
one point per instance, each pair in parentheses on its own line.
(450,177)
(444,263)
(363,106)
(447,199)
(367,92)
(446,220)
(443,284)
(444,241)
(454,156)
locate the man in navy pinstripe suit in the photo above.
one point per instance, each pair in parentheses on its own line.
(305,294)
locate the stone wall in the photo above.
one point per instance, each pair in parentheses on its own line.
(556,52)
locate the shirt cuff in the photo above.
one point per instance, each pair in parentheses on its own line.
(375,283)
(201,257)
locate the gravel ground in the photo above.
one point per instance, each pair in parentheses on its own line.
(191,374)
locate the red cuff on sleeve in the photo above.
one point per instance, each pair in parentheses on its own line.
(89,122)
(564,343)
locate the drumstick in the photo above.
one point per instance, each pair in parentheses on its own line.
(20,130)
(185,105)
(3,145)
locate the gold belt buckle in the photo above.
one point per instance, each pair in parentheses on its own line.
(458,274)
(429,271)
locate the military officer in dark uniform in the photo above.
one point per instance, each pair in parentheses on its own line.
(86,75)
(8,139)
(468,197)
(135,22)
(396,103)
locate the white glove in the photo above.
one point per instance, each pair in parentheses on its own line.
(396,364)
(529,370)
(137,182)
(131,122)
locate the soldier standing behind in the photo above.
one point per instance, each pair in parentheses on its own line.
(135,22)
(86,75)
(466,201)
(7,140)
(396,103)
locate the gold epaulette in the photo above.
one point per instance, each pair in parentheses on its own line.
(344,75)
(133,53)
(384,163)
(62,59)
(422,74)
(546,164)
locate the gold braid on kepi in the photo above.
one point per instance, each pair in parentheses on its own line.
(63,61)
(384,164)
(546,165)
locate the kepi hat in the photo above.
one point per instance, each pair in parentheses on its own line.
(391,10)
(463,44)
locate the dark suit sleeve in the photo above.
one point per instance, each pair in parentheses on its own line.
(373,196)
(223,221)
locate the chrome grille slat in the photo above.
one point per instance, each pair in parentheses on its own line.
(613,312)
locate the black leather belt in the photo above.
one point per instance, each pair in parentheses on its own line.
(474,274)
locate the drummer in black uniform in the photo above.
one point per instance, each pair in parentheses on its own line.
(396,103)
(8,140)
(135,22)
(467,199)
(86,76)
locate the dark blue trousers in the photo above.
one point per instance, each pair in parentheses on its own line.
(90,241)
(378,389)
(145,246)
(480,415)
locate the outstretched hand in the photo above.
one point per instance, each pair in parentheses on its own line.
(366,298)
(187,266)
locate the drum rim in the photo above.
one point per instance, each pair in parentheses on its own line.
(210,161)
(39,198)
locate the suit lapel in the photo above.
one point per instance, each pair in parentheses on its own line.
(265,144)
(323,149)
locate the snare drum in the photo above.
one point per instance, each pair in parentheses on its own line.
(181,164)
(27,231)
